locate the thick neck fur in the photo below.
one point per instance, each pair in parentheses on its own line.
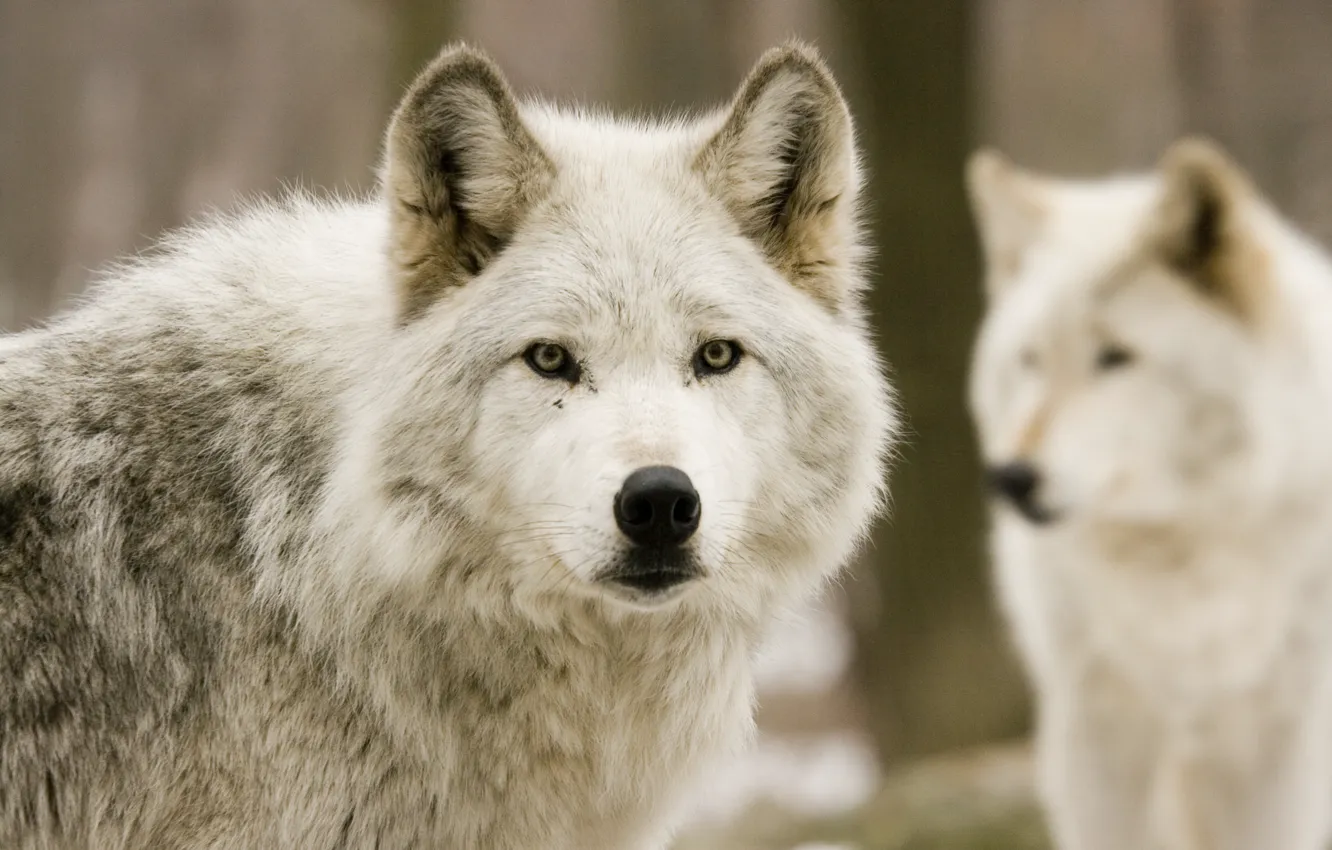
(428,642)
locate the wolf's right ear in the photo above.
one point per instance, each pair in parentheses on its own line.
(461,170)
(1199,228)
(784,163)
(1009,208)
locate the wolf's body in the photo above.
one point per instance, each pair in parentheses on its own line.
(296,550)
(1153,389)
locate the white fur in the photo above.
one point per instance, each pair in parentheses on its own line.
(1176,616)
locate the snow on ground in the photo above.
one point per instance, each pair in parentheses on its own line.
(820,773)
(827,774)
(808,652)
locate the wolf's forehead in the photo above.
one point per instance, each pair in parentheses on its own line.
(623,244)
(631,238)
(580,137)
(1055,300)
(587,276)
(1088,253)
(637,206)
(1092,231)
(642,300)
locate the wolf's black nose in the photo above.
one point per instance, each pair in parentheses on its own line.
(657,506)
(1017,481)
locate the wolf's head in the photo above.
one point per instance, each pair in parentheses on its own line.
(630,362)
(1139,361)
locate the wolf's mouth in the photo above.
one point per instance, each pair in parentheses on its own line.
(652,572)
(1018,483)
(1035,513)
(654,581)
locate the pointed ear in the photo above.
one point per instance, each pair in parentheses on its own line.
(784,163)
(1199,228)
(1009,207)
(461,170)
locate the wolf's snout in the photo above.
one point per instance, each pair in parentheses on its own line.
(1015,481)
(1018,482)
(657,506)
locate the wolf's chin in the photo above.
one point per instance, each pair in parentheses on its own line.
(645,600)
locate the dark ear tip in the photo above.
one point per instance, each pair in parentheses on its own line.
(462,56)
(795,57)
(795,51)
(1198,164)
(1200,185)
(1192,149)
(457,65)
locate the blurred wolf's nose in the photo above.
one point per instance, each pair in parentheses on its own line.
(657,506)
(1015,481)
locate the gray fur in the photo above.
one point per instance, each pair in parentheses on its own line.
(264,578)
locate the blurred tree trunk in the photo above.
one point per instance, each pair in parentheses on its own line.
(936,671)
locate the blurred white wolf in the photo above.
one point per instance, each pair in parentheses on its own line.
(450,518)
(1152,386)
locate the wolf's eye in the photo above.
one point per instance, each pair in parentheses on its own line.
(551,361)
(1113,357)
(716,357)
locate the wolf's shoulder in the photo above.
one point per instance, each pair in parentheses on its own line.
(139,432)
(190,383)
(280,297)
(294,264)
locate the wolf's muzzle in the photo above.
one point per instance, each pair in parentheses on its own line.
(658,510)
(1018,482)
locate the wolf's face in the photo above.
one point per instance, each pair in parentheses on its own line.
(651,420)
(631,363)
(1115,371)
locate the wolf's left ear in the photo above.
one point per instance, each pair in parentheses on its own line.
(784,162)
(461,171)
(1199,228)
(1009,207)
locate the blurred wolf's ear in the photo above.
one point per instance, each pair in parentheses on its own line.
(1009,207)
(461,170)
(1199,228)
(784,162)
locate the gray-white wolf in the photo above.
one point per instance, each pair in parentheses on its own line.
(1152,386)
(450,517)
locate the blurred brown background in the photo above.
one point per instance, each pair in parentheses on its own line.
(119,118)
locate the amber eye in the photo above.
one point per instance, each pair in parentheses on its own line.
(1113,356)
(716,357)
(551,361)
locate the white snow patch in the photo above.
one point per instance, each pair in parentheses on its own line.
(806,652)
(818,776)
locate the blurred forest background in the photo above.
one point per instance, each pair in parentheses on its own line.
(120,118)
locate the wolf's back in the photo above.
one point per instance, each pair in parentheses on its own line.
(139,435)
